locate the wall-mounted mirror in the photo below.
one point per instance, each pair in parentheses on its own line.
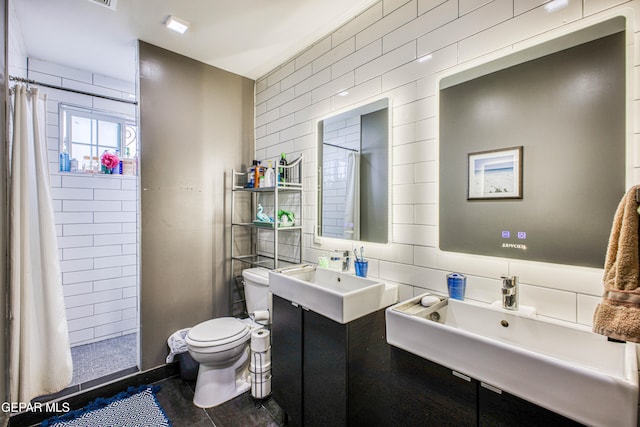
(353,174)
(562,104)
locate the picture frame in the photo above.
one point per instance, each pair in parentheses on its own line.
(495,174)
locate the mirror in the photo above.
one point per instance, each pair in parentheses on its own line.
(353,174)
(570,125)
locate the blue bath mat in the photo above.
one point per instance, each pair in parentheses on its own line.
(138,406)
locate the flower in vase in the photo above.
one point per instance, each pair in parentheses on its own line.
(109,160)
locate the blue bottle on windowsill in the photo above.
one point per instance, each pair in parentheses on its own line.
(65,163)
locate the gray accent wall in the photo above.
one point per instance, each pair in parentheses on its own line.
(196,124)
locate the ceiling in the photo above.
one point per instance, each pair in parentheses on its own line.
(246,37)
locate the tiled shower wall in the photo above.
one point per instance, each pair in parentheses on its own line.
(96,215)
(375,55)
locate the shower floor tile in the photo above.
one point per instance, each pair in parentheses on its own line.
(102,358)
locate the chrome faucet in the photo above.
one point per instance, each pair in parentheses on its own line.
(346,261)
(510,292)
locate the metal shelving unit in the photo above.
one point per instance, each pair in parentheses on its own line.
(271,196)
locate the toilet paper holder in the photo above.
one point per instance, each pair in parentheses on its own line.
(261,317)
(260,366)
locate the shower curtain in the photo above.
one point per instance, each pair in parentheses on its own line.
(40,355)
(352,199)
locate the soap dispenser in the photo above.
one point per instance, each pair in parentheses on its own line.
(270,176)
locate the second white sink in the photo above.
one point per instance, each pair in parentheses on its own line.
(339,296)
(565,368)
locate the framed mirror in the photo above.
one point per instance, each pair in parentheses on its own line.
(353,174)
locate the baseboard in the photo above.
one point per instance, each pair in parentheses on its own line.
(78,396)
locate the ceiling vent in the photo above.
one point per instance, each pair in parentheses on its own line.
(111,4)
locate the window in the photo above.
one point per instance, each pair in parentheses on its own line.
(86,134)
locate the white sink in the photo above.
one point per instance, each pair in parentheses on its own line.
(339,296)
(560,366)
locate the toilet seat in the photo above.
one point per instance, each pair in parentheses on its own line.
(218,334)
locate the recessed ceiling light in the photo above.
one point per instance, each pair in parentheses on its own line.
(425,58)
(176,24)
(343,93)
(555,5)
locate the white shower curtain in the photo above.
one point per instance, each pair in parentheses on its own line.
(40,355)
(352,199)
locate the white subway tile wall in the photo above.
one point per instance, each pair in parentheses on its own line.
(374,56)
(96,216)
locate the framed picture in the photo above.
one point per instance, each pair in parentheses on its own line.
(495,174)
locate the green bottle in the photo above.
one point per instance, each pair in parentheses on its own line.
(282,172)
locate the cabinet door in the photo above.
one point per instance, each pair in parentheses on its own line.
(286,354)
(325,371)
(369,371)
(498,409)
(427,394)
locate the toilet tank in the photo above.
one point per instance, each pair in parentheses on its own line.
(256,288)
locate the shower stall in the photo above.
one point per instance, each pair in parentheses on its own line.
(96,215)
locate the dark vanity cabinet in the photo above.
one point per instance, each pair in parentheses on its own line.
(501,409)
(286,358)
(331,374)
(326,373)
(423,393)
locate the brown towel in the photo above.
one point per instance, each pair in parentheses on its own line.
(618,315)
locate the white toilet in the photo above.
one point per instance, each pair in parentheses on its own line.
(221,346)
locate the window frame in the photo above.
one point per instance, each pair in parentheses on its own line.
(67,112)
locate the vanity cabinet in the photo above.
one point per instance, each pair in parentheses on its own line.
(423,393)
(286,358)
(326,373)
(501,409)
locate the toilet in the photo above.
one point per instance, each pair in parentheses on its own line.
(256,290)
(221,346)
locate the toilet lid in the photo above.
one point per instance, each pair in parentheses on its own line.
(218,331)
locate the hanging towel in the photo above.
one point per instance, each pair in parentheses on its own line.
(618,315)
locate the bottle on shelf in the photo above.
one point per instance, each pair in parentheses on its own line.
(282,172)
(270,176)
(119,167)
(251,175)
(65,164)
(86,164)
(257,176)
(128,167)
